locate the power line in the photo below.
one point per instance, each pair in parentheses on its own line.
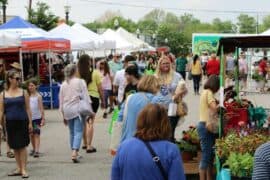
(176,9)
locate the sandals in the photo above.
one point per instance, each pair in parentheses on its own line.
(10,154)
(15,173)
(84,147)
(25,176)
(75,159)
(92,150)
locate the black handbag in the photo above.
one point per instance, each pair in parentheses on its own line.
(156,159)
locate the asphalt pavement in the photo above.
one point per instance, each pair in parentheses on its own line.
(55,161)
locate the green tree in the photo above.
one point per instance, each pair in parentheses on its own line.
(4,8)
(94,26)
(265,24)
(176,40)
(156,15)
(42,16)
(223,26)
(147,26)
(246,23)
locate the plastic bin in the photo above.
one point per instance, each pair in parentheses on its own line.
(46,95)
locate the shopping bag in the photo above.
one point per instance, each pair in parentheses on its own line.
(172,110)
(114,119)
(116,135)
(224,175)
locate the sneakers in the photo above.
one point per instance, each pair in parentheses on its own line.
(111,110)
(36,155)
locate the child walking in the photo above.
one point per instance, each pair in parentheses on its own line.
(37,116)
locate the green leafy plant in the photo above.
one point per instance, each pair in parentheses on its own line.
(241,165)
(185,146)
(240,142)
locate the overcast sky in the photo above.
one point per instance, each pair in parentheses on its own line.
(83,11)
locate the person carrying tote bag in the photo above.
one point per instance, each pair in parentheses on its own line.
(208,107)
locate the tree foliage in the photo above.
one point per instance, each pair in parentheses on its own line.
(42,16)
(246,23)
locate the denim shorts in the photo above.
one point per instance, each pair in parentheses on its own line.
(207,141)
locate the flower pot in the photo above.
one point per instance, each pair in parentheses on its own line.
(187,156)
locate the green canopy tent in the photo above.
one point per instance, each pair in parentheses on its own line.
(229,45)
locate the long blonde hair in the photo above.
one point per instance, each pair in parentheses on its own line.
(164,78)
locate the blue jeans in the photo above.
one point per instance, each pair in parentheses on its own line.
(207,140)
(75,131)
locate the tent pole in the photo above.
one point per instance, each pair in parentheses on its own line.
(21,62)
(236,76)
(221,100)
(50,74)
(38,64)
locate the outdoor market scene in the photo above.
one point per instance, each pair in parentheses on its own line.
(142,90)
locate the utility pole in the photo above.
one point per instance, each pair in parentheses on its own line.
(4,8)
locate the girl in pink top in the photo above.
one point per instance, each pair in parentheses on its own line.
(106,85)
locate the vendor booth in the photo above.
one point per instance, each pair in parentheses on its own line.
(35,41)
(242,126)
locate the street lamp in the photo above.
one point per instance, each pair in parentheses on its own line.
(138,33)
(67,10)
(154,36)
(116,23)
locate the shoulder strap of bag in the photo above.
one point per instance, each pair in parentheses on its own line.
(156,159)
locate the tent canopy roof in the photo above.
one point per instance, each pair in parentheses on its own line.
(121,43)
(17,22)
(231,43)
(34,38)
(132,39)
(78,40)
(100,42)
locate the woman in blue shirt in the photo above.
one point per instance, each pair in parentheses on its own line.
(147,87)
(137,163)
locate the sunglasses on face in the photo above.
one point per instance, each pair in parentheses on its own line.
(17,78)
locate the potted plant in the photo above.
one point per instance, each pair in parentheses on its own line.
(240,165)
(188,150)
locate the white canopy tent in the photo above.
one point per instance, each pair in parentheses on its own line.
(77,40)
(100,42)
(121,43)
(267,32)
(138,43)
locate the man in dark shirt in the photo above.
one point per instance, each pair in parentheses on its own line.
(132,78)
(181,63)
